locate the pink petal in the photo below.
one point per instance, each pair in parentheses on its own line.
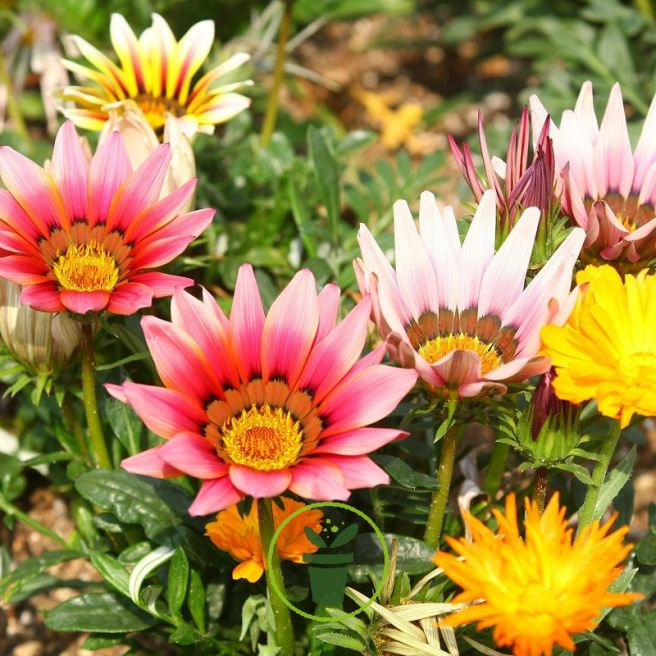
(44,297)
(332,358)
(645,152)
(414,272)
(109,169)
(328,307)
(214,496)
(289,329)
(585,113)
(194,456)
(319,479)
(70,172)
(246,324)
(130,297)
(260,484)
(23,269)
(150,463)
(83,302)
(365,397)
(222,108)
(159,252)
(359,441)
(164,411)
(359,471)
(140,190)
(161,284)
(459,368)
(520,369)
(15,217)
(181,227)
(181,364)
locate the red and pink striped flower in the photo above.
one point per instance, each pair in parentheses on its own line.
(607,189)
(459,314)
(81,235)
(259,404)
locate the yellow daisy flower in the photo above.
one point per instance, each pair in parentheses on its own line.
(155,74)
(538,591)
(607,350)
(240,536)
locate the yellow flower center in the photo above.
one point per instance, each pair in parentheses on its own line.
(156,109)
(86,268)
(435,349)
(627,222)
(262,438)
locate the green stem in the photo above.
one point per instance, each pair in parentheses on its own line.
(540,487)
(272,105)
(284,631)
(100,453)
(496,468)
(9,508)
(73,425)
(441,495)
(587,512)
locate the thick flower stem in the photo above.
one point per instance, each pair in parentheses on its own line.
(272,105)
(586,514)
(540,487)
(73,425)
(495,468)
(284,631)
(441,495)
(98,446)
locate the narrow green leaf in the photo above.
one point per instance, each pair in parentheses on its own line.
(342,640)
(178,580)
(327,177)
(196,600)
(92,643)
(143,569)
(614,483)
(111,570)
(98,612)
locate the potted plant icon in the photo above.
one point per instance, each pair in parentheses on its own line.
(328,570)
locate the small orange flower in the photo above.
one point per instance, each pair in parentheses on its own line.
(240,536)
(537,591)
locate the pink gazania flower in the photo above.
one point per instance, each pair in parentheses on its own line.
(459,314)
(257,405)
(80,236)
(517,184)
(606,188)
(155,74)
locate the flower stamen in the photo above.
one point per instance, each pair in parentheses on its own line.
(86,268)
(435,349)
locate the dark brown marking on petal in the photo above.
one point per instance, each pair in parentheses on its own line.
(506,344)
(415,334)
(488,327)
(468,321)
(429,325)
(446,322)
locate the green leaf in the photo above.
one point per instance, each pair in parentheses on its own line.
(178,580)
(143,569)
(101,612)
(31,568)
(614,483)
(196,600)
(345,536)
(111,570)
(314,537)
(646,551)
(126,424)
(403,474)
(159,506)
(639,626)
(101,642)
(355,140)
(342,640)
(327,178)
(184,635)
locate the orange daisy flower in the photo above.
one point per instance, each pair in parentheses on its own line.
(240,536)
(538,591)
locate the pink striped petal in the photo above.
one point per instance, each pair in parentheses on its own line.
(459,368)
(150,463)
(15,217)
(328,307)
(222,108)
(260,484)
(164,411)
(140,190)
(161,284)
(520,369)
(474,389)
(83,302)
(645,152)
(365,398)
(190,53)
(331,359)
(23,269)
(359,471)
(214,496)
(199,320)
(179,361)
(194,456)
(414,272)
(614,164)
(427,371)
(477,251)
(504,277)
(358,442)
(127,48)
(585,113)
(161,46)
(130,297)
(34,189)
(70,172)
(109,169)
(319,479)
(208,79)
(159,252)
(289,329)
(180,227)
(246,324)
(44,297)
